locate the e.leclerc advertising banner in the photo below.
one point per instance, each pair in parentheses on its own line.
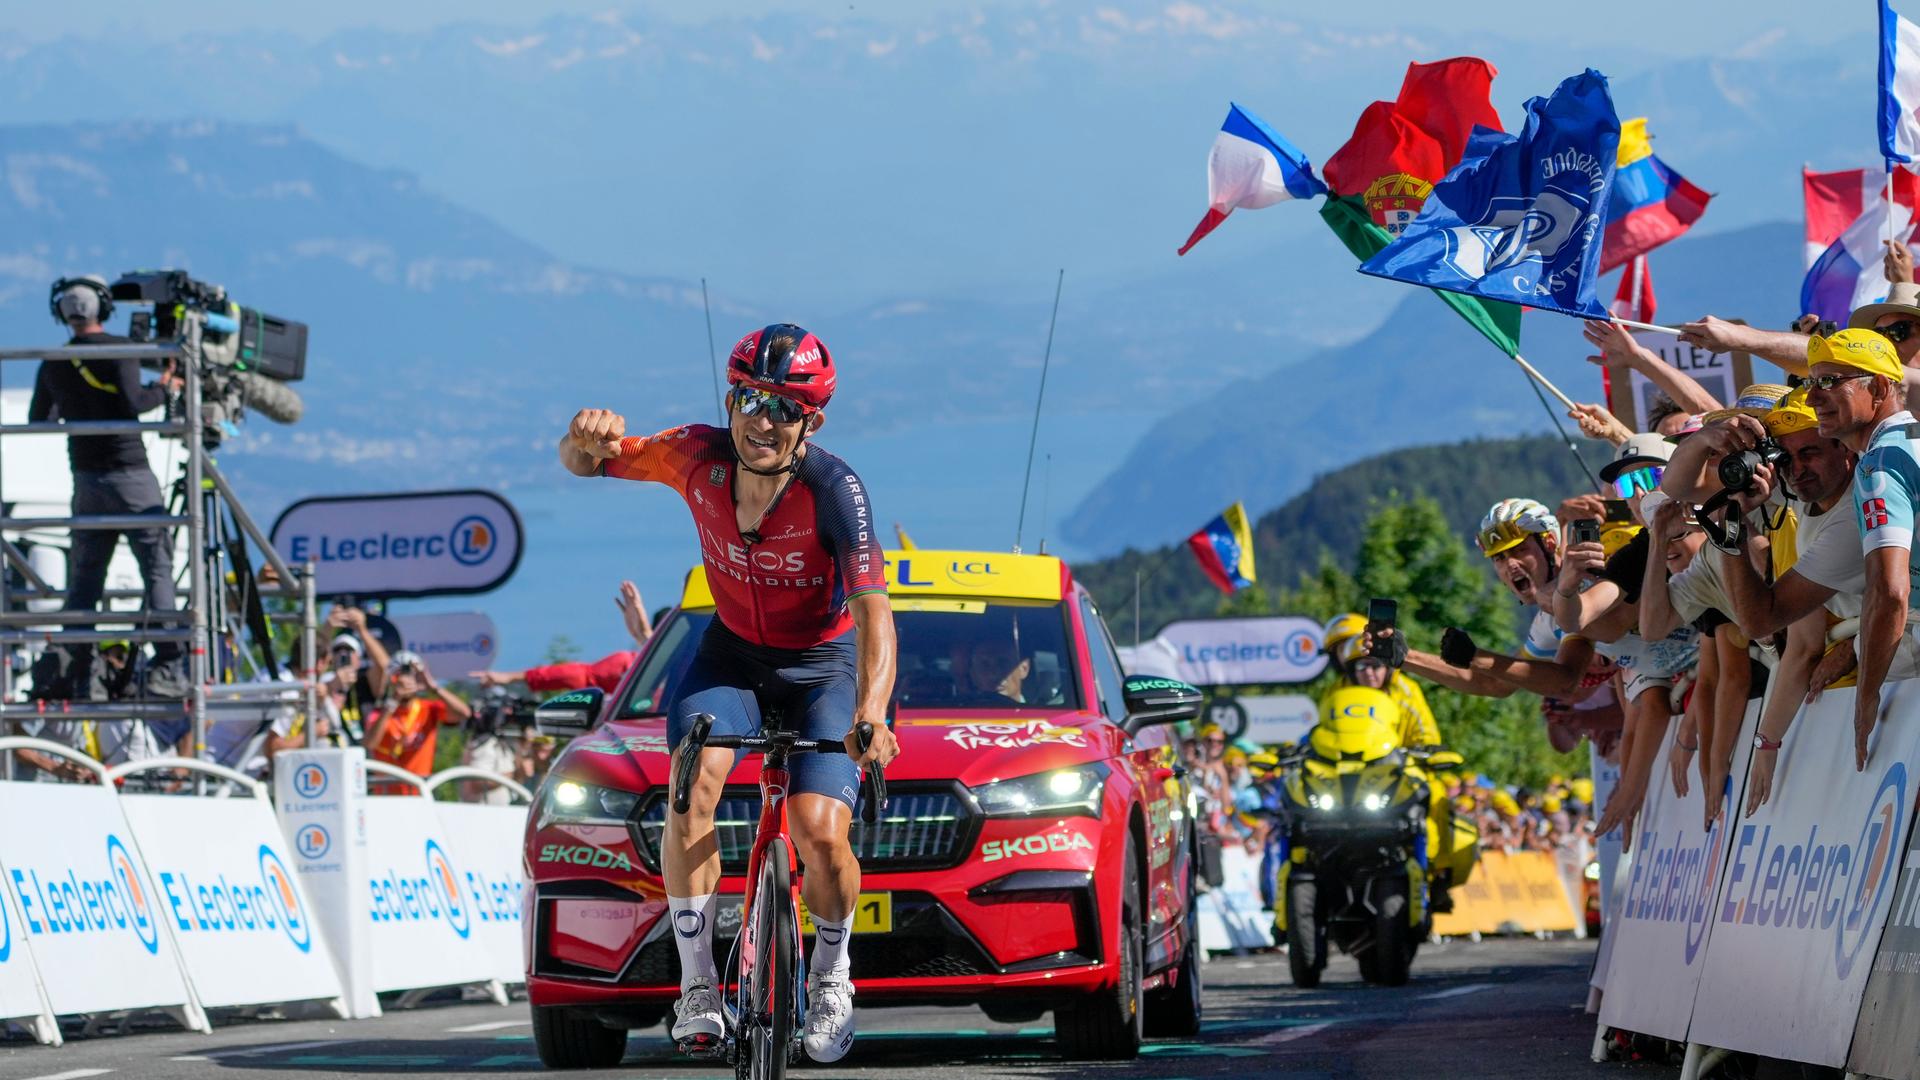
(426,543)
(453,644)
(484,842)
(423,916)
(1887,1040)
(1230,652)
(226,887)
(19,985)
(1661,925)
(1808,882)
(85,903)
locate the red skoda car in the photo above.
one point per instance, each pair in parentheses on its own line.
(1035,855)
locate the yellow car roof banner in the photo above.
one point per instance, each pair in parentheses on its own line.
(921,572)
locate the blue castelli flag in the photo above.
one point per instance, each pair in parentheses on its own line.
(1224,547)
(1519,219)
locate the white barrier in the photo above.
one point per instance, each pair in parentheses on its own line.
(22,998)
(321,798)
(1660,927)
(485,843)
(1808,884)
(88,913)
(1613,872)
(224,883)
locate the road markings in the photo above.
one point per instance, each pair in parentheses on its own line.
(491,1025)
(73,1074)
(1457,991)
(269,1048)
(1290,1034)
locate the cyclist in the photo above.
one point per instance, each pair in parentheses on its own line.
(804,627)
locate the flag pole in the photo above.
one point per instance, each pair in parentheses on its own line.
(1649,326)
(1889,198)
(1542,380)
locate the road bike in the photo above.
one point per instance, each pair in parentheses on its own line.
(766,1012)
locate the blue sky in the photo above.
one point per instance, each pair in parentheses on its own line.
(1658,26)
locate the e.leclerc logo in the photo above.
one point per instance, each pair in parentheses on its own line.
(434,895)
(1301,647)
(310,781)
(72,905)
(286,901)
(312,841)
(1806,883)
(472,540)
(1672,882)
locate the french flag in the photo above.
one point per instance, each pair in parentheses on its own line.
(1899,88)
(1251,167)
(1847,217)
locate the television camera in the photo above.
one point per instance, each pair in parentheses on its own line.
(247,357)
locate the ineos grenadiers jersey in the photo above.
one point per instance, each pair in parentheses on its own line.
(815,549)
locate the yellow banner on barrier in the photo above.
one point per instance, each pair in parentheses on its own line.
(1509,893)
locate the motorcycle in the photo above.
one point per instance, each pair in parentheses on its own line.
(1359,816)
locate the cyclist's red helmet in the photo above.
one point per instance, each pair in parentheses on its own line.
(787,360)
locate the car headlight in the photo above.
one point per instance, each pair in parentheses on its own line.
(1076,790)
(1374,801)
(574,803)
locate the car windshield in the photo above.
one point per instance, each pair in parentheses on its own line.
(954,654)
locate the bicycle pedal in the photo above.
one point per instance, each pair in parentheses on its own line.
(702,1046)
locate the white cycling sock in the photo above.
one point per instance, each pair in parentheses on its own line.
(693,933)
(830,947)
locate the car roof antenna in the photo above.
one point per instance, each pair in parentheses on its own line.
(1045,359)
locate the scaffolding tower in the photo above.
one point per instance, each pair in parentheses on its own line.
(219,679)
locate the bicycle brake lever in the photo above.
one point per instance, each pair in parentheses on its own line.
(686,758)
(873,781)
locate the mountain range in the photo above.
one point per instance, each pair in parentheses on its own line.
(489,227)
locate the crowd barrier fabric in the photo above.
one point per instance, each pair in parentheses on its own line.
(21,996)
(224,884)
(321,796)
(88,914)
(1809,880)
(1886,1040)
(1661,926)
(1515,892)
(484,843)
(422,920)
(1613,865)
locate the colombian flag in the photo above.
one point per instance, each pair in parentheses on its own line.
(1224,547)
(1650,203)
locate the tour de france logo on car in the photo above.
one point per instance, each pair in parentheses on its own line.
(472,540)
(310,781)
(447,884)
(312,841)
(140,915)
(286,902)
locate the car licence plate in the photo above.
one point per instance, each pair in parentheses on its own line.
(873,914)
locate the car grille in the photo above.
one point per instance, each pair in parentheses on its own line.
(921,829)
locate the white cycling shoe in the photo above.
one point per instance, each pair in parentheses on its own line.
(829,1018)
(697,1024)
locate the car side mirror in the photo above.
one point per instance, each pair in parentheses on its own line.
(572,713)
(1153,700)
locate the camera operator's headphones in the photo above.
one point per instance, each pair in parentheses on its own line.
(85,281)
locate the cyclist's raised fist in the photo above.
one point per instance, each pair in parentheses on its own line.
(597,432)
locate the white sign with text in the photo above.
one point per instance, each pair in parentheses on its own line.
(453,644)
(427,543)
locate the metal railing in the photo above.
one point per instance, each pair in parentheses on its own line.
(217,678)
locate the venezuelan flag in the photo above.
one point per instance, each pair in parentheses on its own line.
(1224,547)
(1650,203)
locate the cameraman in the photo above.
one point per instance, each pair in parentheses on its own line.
(110,472)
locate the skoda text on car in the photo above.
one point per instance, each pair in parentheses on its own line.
(1034,855)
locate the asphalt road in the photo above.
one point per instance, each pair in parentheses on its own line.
(1493,1009)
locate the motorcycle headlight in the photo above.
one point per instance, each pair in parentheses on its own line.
(574,803)
(1593,871)
(1322,802)
(1374,801)
(1077,790)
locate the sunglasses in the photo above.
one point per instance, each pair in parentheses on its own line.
(752,401)
(1899,331)
(1643,479)
(1828,382)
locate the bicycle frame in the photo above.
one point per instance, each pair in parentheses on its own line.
(775,783)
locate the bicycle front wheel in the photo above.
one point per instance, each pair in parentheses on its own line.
(767,988)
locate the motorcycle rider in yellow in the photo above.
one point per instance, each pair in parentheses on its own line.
(1450,856)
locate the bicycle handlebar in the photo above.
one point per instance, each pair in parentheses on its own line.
(686,759)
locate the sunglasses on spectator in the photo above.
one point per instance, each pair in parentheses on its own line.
(1897,331)
(1643,479)
(1829,382)
(752,401)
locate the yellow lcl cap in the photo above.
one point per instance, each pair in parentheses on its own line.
(1862,350)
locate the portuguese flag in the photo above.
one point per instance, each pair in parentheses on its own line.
(1382,176)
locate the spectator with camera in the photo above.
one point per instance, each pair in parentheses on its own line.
(356,675)
(407,731)
(110,472)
